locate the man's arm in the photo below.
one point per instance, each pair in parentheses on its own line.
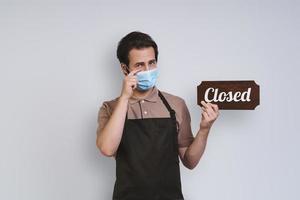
(191,155)
(109,138)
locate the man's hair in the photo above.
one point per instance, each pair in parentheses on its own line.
(137,40)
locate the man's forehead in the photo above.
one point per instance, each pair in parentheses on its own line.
(142,54)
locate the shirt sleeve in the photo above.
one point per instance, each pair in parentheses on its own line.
(104,114)
(185,135)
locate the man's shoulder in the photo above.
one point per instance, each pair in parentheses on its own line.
(177,103)
(173,99)
(109,105)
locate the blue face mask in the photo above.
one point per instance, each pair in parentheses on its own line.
(146,79)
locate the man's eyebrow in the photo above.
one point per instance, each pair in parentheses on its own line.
(139,63)
(152,60)
(144,62)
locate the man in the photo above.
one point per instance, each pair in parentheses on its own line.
(145,129)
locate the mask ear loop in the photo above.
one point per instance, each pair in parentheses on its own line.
(127,70)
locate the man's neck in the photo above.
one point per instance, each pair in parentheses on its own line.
(141,94)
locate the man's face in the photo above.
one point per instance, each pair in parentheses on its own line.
(142,58)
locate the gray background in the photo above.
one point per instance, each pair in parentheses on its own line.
(58,64)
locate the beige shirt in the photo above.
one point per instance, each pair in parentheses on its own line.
(152,107)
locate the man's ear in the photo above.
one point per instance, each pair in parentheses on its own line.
(125,69)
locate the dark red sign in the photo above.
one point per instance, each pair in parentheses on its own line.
(229,95)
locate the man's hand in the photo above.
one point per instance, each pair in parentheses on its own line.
(210,113)
(129,84)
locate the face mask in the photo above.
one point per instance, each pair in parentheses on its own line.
(147,79)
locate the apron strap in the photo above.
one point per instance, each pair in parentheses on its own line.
(172,112)
(173,117)
(127,112)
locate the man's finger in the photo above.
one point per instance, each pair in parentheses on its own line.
(215,107)
(206,116)
(134,86)
(204,104)
(211,111)
(133,72)
(132,78)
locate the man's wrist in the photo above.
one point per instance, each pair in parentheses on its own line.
(204,131)
(123,98)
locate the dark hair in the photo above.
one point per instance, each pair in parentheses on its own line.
(133,40)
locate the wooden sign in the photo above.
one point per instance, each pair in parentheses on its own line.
(229,95)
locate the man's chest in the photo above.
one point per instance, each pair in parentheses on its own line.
(144,109)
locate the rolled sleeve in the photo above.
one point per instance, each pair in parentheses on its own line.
(185,135)
(103,116)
